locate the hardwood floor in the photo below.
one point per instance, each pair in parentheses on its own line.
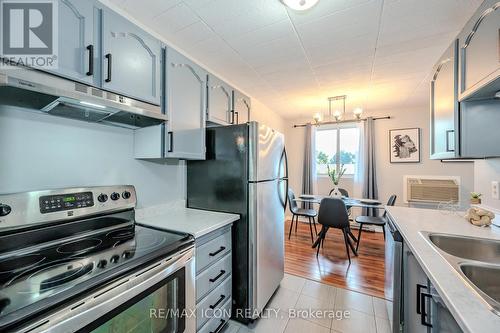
(366,273)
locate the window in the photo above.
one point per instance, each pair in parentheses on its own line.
(336,147)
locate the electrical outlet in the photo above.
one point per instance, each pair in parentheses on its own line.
(495,194)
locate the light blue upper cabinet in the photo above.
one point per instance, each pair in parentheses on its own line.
(131,59)
(219,110)
(480,55)
(242,106)
(77,42)
(444,105)
(185,107)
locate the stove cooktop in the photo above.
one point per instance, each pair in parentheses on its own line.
(54,269)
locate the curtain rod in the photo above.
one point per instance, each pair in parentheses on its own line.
(342,121)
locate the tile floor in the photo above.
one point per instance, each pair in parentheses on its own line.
(361,313)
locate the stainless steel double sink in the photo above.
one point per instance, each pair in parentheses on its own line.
(475,259)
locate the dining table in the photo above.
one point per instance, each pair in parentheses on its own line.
(349,202)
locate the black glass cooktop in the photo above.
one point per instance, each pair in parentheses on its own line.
(54,269)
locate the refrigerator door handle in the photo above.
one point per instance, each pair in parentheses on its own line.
(284,201)
(284,162)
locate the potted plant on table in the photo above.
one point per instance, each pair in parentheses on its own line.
(335,176)
(475,198)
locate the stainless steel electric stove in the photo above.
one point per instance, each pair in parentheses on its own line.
(75,260)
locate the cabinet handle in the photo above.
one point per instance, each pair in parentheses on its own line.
(419,292)
(448,134)
(237,117)
(170,142)
(232,117)
(213,254)
(424,315)
(219,328)
(222,297)
(222,272)
(109,57)
(90,48)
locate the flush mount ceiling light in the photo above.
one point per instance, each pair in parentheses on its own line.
(300,4)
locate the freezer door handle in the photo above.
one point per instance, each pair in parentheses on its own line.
(284,163)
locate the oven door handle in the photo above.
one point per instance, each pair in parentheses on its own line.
(104,300)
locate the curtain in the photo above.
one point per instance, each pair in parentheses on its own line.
(359,172)
(370,188)
(309,175)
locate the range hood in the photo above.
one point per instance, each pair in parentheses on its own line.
(33,89)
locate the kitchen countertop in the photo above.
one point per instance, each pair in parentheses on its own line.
(469,310)
(192,221)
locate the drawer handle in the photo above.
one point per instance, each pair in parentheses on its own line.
(222,272)
(219,328)
(222,297)
(213,254)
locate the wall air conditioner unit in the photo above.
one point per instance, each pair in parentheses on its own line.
(432,189)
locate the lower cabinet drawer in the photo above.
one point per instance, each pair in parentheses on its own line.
(213,276)
(212,251)
(210,307)
(215,324)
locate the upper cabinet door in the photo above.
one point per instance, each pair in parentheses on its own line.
(241,107)
(219,101)
(185,107)
(444,105)
(480,51)
(131,59)
(77,43)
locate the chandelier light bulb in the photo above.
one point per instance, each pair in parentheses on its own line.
(318,117)
(338,115)
(358,112)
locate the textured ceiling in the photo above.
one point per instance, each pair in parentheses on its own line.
(377,52)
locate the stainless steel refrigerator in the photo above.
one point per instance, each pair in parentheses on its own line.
(245,172)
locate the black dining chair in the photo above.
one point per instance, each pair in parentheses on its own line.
(297,212)
(345,194)
(333,214)
(374,220)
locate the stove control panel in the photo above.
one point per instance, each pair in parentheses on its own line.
(21,210)
(62,202)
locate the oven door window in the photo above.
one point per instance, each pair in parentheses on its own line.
(159,309)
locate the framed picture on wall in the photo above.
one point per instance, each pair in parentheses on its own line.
(405,145)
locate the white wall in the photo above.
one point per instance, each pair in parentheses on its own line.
(389,176)
(486,171)
(41,151)
(263,114)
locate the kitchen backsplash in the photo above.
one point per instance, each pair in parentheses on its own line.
(41,151)
(486,171)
